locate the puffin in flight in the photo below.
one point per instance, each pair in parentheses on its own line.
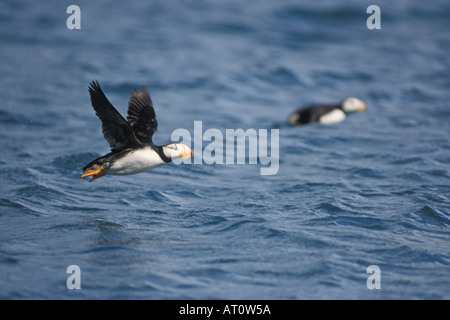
(327,114)
(132,149)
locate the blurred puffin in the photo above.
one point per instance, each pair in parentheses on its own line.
(327,114)
(132,149)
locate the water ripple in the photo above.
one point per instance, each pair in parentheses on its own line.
(372,189)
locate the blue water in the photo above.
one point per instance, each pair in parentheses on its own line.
(372,190)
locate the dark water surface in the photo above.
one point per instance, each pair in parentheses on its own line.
(372,190)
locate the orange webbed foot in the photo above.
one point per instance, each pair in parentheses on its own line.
(94,173)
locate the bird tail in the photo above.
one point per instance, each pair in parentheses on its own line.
(95,164)
(96,168)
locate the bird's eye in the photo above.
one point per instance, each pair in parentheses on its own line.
(181,155)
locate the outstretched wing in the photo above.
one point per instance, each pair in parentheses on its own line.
(141,115)
(116,130)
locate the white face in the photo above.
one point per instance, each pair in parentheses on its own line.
(353,105)
(178,151)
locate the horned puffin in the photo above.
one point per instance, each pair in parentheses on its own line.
(327,114)
(132,149)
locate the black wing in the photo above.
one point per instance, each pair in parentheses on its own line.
(116,130)
(141,115)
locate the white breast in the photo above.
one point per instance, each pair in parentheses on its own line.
(136,162)
(334,116)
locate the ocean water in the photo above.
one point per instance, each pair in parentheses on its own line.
(372,190)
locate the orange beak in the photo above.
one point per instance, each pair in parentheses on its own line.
(363,108)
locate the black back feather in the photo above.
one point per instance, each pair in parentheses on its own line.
(313,113)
